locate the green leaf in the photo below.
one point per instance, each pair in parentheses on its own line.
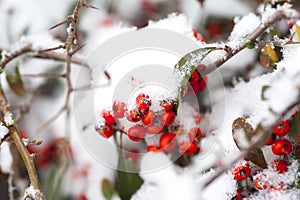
(128,180)
(108,189)
(250,44)
(54,183)
(15,81)
(188,63)
(0,55)
(295,127)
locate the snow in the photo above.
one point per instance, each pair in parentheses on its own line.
(243,27)
(32,193)
(8,119)
(6,159)
(3,131)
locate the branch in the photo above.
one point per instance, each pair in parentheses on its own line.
(256,144)
(277,16)
(14,133)
(9,57)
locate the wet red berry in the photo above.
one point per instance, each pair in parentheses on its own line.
(168,118)
(187,148)
(108,116)
(167,104)
(282,147)
(143,101)
(167,142)
(195,134)
(105,130)
(152,148)
(133,116)
(280,165)
(148,118)
(136,133)
(282,129)
(271,139)
(119,109)
(241,172)
(260,181)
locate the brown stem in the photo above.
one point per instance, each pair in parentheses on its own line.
(8,57)
(278,15)
(27,158)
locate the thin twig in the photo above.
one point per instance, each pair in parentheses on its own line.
(44,75)
(8,57)
(278,15)
(27,158)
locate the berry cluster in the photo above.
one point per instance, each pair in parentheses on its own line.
(145,121)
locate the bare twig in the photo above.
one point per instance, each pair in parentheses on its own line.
(44,75)
(256,144)
(14,134)
(8,57)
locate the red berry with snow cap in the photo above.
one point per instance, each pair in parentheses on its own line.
(133,116)
(167,104)
(260,181)
(119,109)
(241,172)
(143,101)
(108,116)
(105,130)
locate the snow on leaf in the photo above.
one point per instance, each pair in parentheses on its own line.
(188,63)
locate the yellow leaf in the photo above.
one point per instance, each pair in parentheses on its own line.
(268,56)
(298,31)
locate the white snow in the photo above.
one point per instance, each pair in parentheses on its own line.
(3,131)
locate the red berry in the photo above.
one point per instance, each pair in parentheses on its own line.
(260,181)
(133,116)
(195,134)
(119,109)
(195,76)
(105,130)
(277,187)
(167,142)
(168,118)
(148,118)
(109,118)
(280,165)
(136,133)
(154,129)
(167,104)
(241,172)
(282,147)
(187,148)
(143,102)
(239,195)
(282,129)
(197,86)
(271,139)
(152,148)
